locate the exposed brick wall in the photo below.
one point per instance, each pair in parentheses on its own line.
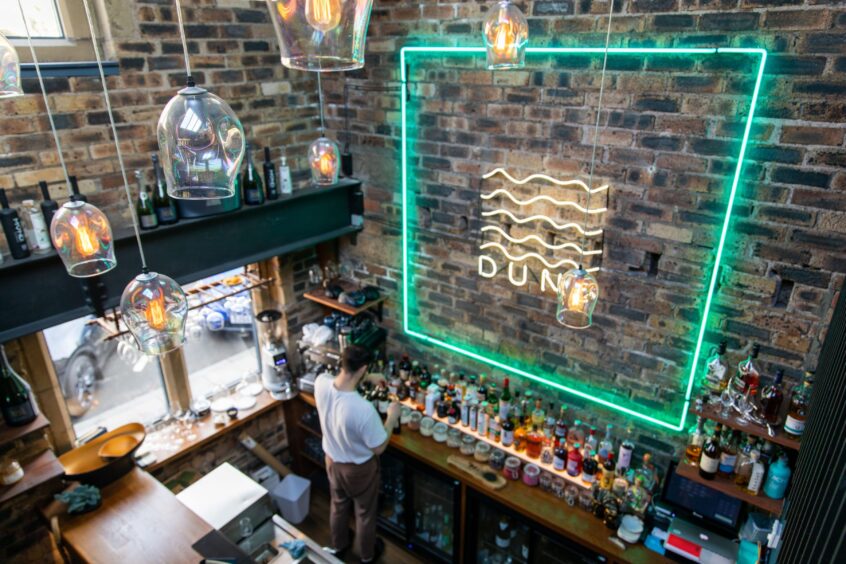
(663,146)
(234,55)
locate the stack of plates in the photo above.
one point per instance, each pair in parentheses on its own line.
(630,529)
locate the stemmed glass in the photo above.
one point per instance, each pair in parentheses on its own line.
(726,402)
(744,408)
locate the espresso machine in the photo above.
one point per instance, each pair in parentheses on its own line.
(275,372)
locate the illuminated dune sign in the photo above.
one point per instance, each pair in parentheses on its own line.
(548,237)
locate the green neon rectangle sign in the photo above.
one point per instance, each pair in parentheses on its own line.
(677,420)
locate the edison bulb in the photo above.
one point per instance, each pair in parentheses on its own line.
(506,35)
(578,293)
(82,236)
(324,159)
(154,308)
(323,15)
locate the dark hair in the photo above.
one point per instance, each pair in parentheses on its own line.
(354,357)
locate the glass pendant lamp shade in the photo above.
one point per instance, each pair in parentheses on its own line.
(324,159)
(202,144)
(83,238)
(577,296)
(321,35)
(506,37)
(10,70)
(154,308)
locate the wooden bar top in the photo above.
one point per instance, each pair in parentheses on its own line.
(534,503)
(140,520)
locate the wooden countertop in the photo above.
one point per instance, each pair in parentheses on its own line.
(540,506)
(140,520)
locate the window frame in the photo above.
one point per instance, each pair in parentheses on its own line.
(74,47)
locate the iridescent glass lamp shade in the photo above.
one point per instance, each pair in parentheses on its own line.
(506,35)
(324,159)
(578,292)
(154,308)
(321,35)
(202,144)
(82,236)
(10,70)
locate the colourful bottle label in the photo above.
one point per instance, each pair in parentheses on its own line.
(708,464)
(794,426)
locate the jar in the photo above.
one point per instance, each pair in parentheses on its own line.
(468,445)
(483,451)
(414,420)
(586,500)
(558,486)
(497,461)
(11,472)
(546,481)
(531,475)
(426,426)
(405,415)
(453,438)
(571,493)
(439,433)
(512,468)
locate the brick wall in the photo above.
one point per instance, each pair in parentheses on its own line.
(662,147)
(233,53)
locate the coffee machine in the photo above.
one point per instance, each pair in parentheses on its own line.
(275,372)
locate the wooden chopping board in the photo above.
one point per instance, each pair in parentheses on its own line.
(481,473)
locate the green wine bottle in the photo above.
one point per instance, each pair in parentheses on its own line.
(251,183)
(163,204)
(16,401)
(143,206)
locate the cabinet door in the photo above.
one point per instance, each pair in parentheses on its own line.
(392,497)
(500,537)
(435,501)
(562,551)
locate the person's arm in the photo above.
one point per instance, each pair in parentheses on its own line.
(390,423)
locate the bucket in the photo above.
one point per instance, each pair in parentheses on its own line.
(292,496)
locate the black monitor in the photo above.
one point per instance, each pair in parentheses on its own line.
(700,504)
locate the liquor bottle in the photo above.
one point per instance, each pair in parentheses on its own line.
(608,467)
(75,195)
(589,468)
(253,189)
(442,408)
(771,398)
(778,477)
(748,376)
(534,442)
(516,410)
(13,228)
(716,371)
(36,227)
(576,434)
(494,427)
(538,414)
(453,414)
(561,425)
(574,460)
(505,399)
(16,402)
(549,423)
(728,456)
(48,206)
(744,464)
(503,534)
(624,455)
(147,217)
(591,442)
(797,413)
(520,433)
(271,185)
(492,395)
(620,483)
(756,476)
(482,423)
(163,204)
(606,445)
(559,458)
(404,367)
(709,461)
(473,414)
(507,432)
(694,442)
(483,388)
(286,186)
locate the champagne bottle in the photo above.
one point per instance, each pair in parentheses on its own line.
(271,185)
(253,189)
(48,207)
(13,228)
(75,195)
(16,401)
(163,204)
(147,217)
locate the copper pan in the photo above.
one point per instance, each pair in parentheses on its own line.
(106,458)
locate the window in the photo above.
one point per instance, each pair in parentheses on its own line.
(108,382)
(42,17)
(59,29)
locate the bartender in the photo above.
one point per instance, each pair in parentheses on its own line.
(353,438)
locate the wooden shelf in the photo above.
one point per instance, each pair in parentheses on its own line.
(43,468)
(728,487)
(313,460)
(309,430)
(308,398)
(9,434)
(319,297)
(712,412)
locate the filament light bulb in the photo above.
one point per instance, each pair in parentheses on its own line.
(323,159)
(506,35)
(154,308)
(155,313)
(82,236)
(504,42)
(323,15)
(578,293)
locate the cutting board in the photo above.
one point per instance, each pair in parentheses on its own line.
(480,472)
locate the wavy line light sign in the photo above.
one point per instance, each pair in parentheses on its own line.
(494,207)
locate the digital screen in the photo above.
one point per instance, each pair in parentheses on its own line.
(280,359)
(702,501)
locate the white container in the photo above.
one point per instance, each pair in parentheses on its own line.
(292,496)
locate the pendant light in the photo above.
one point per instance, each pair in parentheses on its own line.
(201,140)
(324,158)
(506,36)
(321,35)
(153,306)
(578,290)
(10,70)
(80,232)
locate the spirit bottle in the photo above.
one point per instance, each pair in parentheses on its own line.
(561,425)
(709,461)
(507,432)
(756,476)
(505,400)
(695,441)
(404,367)
(538,415)
(624,456)
(534,442)
(48,206)
(606,445)
(794,424)
(549,424)
(608,467)
(728,456)
(574,461)
(13,228)
(716,372)
(271,181)
(772,397)
(591,441)
(744,464)
(559,460)
(520,433)
(748,376)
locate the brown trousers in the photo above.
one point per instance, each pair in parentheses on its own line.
(354,486)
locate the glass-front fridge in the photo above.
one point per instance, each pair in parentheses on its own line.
(392,496)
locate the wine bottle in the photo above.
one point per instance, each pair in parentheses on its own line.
(48,207)
(505,400)
(13,228)
(16,401)
(270,179)
(771,398)
(35,226)
(163,204)
(253,189)
(75,195)
(286,186)
(147,217)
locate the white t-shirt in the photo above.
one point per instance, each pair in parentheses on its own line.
(350,424)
